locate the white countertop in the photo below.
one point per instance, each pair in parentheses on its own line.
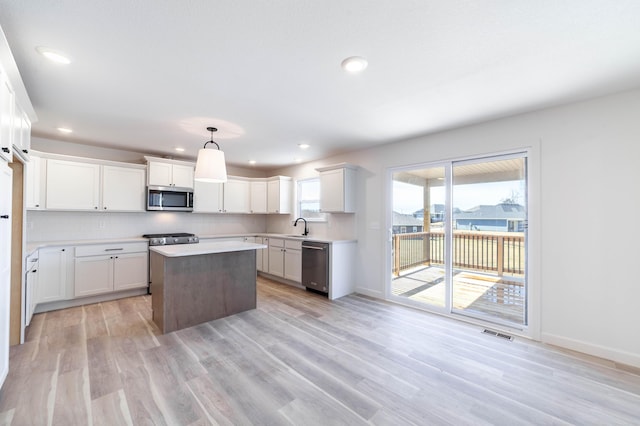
(179,250)
(35,245)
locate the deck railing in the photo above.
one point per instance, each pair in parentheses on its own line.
(502,253)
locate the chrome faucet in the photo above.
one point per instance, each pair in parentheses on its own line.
(306,229)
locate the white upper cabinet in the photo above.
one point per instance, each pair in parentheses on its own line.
(207,197)
(236,195)
(258,195)
(183,176)
(72,185)
(229,197)
(169,173)
(21,133)
(35,183)
(75,185)
(123,188)
(7,104)
(338,188)
(279,195)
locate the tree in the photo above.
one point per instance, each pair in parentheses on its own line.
(513,199)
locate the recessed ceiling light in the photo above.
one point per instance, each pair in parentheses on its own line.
(252,162)
(354,64)
(180,149)
(53,55)
(304,145)
(298,160)
(65,130)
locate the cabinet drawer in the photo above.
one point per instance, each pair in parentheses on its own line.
(293,244)
(32,262)
(102,249)
(276,242)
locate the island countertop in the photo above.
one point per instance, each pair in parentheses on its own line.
(179,250)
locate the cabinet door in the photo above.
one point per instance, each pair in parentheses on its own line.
(236,196)
(34,183)
(258,196)
(130,271)
(258,240)
(293,265)
(276,261)
(182,176)
(72,186)
(94,275)
(54,274)
(25,132)
(265,255)
(123,189)
(279,196)
(159,174)
(332,191)
(7,103)
(31,282)
(207,197)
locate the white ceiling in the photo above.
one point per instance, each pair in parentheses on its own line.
(151,75)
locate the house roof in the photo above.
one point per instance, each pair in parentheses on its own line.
(498,211)
(401,219)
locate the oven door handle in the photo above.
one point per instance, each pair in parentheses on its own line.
(313,248)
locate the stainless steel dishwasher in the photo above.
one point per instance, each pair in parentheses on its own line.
(315,266)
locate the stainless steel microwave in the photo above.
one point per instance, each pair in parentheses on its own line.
(169,198)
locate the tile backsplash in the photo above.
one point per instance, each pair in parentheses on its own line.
(68,225)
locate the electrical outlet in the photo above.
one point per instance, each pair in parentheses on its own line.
(102,224)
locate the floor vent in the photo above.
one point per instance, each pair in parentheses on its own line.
(497,334)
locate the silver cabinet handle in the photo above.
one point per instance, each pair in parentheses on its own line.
(113,249)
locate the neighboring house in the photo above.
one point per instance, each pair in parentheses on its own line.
(501,217)
(437,213)
(404,223)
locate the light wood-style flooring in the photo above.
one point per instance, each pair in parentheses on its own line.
(300,359)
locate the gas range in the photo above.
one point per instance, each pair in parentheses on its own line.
(170,239)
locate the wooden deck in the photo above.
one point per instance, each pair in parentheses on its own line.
(499,297)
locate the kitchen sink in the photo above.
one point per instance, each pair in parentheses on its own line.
(295,236)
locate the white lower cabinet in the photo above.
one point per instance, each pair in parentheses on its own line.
(55,274)
(31,284)
(262,255)
(285,259)
(293,260)
(107,268)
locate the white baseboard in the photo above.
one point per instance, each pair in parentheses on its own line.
(370,293)
(622,357)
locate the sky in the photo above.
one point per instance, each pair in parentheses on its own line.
(407,198)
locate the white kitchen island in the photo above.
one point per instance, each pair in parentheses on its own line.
(196,283)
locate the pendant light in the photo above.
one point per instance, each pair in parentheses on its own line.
(210,166)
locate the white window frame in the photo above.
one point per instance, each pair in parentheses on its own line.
(322,216)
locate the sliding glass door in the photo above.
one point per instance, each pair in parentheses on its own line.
(459,237)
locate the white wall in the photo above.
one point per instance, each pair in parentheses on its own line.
(584,175)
